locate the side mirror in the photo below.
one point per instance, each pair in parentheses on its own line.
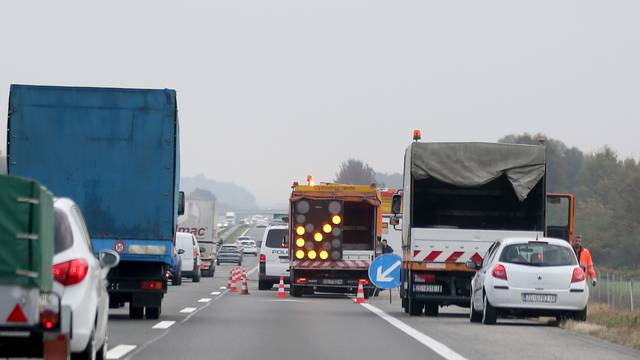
(394,221)
(109,259)
(396,203)
(180,251)
(181,203)
(472,265)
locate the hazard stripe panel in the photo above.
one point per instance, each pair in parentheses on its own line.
(446,256)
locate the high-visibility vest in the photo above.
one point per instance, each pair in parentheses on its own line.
(586,263)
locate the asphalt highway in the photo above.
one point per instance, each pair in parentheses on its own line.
(206,321)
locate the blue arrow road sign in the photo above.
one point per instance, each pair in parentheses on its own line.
(384,271)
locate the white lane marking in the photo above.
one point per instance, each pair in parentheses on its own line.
(163,325)
(438,347)
(119,351)
(204,300)
(255,268)
(245,232)
(215,293)
(223,288)
(188,310)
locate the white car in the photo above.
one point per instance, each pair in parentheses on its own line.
(274,257)
(528,277)
(191,260)
(248,247)
(81,279)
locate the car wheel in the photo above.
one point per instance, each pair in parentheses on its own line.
(136,312)
(415,307)
(489,314)
(580,315)
(295,291)
(153,312)
(264,285)
(177,279)
(197,274)
(102,352)
(431,309)
(474,315)
(89,353)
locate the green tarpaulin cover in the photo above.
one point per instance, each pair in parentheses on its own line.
(26,233)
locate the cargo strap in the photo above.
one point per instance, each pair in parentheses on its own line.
(26,273)
(26,236)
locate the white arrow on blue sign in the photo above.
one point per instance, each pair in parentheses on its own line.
(384,271)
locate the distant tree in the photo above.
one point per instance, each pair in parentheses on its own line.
(355,172)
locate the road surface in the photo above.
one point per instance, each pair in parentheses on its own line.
(205,321)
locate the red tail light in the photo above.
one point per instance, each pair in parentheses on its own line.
(578,275)
(151,285)
(263,258)
(49,319)
(499,272)
(70,272)
(301,280)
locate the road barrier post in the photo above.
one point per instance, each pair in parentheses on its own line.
(631,294)
(608,303)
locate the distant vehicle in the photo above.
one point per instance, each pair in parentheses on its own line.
(261,224)
(190,257)
(528,277)
(243,237)
(230,218)
(229,254)
(248,247)
(128,188)
(82,280)
(31,313)
(199,220)
(175,271)
(279,218)
(274,257)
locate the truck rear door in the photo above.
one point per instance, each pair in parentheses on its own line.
(560,216)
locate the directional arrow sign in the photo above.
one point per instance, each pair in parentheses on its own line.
(384,272)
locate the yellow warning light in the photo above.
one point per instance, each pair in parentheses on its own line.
(336,219)
(327,228)
(300,242)
(312,254)
(324,255)
(317,236)
(300,230)
(299,254)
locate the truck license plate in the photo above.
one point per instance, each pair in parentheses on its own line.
(430,288)
(539,298)
(332,281)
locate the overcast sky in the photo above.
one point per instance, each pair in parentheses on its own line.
(270,91)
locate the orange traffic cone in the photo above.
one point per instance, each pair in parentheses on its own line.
(245,288)
(281,294)
(229,281)
(234,280)
(360,296)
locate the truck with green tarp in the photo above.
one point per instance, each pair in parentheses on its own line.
(32,321)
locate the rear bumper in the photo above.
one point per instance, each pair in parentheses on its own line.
(512,299)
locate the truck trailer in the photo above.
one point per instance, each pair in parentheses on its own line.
(116,153)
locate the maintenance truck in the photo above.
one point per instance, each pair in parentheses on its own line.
(333,232)
(116,153)
(457,199)
(33,323)
(199,220)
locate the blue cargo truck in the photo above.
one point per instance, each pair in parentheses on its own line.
(116,153)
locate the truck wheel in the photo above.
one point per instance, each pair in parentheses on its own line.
(136,312)
(405,307)
(580,315)
(489,314)
(431,309)
(264,285)
(415,307)
(153,312)
(295,291)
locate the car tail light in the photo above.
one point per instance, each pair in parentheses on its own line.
(578,275)
(49,319)
(70,272)
(301,280)
(263,258)
(151,285)
(499,272)
(363,281)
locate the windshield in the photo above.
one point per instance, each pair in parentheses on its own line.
(538,254)
(275,238)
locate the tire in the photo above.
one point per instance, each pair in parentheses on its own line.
(415,307)
(489,314)
(89,353)
(474,316)
(196,277)
(431,309)
(580,315)
(405,307)
(136,312)
(295,291)
(264,285)
(153,312)
(101,354)
(177,279)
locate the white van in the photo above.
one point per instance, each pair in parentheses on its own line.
(190,257)
(274,257)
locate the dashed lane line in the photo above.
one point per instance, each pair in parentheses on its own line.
(436,346)
(204,300)
(215,293)
(188,310)
(119,351)
(163,325)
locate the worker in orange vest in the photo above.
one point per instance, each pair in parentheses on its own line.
(584,257)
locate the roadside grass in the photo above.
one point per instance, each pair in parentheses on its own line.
(618,326)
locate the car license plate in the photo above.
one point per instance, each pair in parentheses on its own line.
(332,281)
(539,298)
(430,288)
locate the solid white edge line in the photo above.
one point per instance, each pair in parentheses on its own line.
(188,310)
(438,347)
(163,325)
(215,293)
(119,351)
(204,300)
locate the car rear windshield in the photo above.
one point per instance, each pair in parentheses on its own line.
(538,254)
(276,237)
(63,235)
(228,249)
